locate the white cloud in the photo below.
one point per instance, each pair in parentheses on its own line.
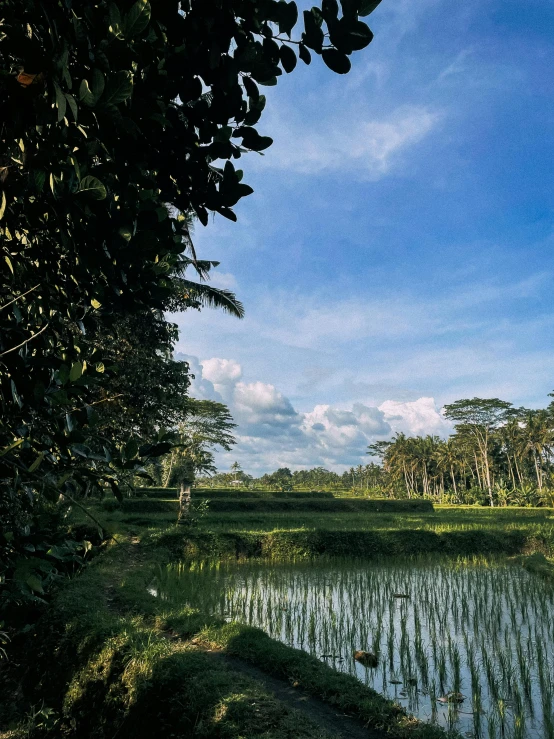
(395,344)
(362,145)
(200,387)
(221,371)
(417,417)
(272,433)
(262,410)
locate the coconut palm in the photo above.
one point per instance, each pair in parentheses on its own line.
(537,441)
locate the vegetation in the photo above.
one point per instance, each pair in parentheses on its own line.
(122,125)
(498,454)
(367,478)
(496,451)
(142,658)
(468,635)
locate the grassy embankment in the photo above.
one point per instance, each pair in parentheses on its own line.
(111,656)
(296,525)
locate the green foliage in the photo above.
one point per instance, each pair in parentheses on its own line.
(497,453)
(539,565)
(114,118)
(207,425)
(34,558)
(305,544)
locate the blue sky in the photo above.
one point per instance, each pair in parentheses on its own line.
(397,252)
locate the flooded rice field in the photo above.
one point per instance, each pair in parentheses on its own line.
(467,644)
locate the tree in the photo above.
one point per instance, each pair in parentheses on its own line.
(119,121)
(208,425)
(378,448)
(114,114)
(235,469)
(479,418)
(537,440)
(280,478)
(447,459)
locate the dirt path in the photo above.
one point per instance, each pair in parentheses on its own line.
(339,725)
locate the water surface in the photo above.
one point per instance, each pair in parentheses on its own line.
(480,629)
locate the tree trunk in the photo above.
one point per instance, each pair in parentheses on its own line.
(511,469)
(488,476)
(454,481)
(184,501)
(408,490)
(477,470)
(517,470)
(168,478)
(538,471)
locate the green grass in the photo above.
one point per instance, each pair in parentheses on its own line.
(456,529)
(444,518)
(102,655)
(283,504)
(109,655)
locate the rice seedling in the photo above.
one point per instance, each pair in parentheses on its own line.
(463,643)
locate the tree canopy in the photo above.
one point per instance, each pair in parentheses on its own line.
(497,451)
(122,122)
(121,119)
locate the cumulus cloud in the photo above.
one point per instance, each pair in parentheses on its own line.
(417,417)
(271,432)
(221,371)
(339,436)
(200,387)
(263,411)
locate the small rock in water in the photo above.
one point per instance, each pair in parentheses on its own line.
(367,659)
(395,682)
(400,595)
(452,698)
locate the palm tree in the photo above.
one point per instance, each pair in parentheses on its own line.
(235,469)
(447,459)
(511,435)
(360,473)
(187,293)
(537,440)
(399,460)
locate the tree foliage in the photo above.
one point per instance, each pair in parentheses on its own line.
(208,425)
(121,120)
(498,453)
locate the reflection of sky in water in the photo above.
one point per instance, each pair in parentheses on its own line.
(496,618)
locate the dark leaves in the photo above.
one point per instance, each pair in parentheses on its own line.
(336,60)
(304,54)
(288,15)
(367,6)
(288,58)
(119,88)
(251,139)
(313,35)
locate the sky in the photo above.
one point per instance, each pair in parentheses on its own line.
(397,253)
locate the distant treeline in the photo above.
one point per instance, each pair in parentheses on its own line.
(364,476)
(498,454)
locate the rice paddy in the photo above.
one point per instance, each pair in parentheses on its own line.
(466,644)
